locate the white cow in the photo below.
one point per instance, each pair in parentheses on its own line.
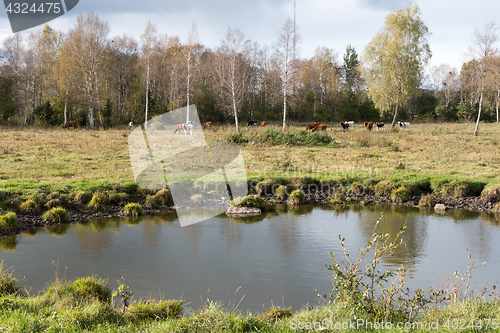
(404,125)
(188,128)
(350,123)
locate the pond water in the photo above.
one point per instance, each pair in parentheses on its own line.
(276,258)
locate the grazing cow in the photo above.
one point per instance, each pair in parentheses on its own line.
(130,125)
(252,123)
(262,124)
(310,126)
(208,124)
(188,128)
(404,125)
(178,128)
(69,124)
(380,125)
(369,125)
(345,126)
(320,127)
(350,123)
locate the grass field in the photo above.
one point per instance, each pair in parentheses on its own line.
(30,156)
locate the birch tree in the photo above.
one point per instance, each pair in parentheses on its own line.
(189,57)
(483,49)
(284,60)
(86,53)
(148,40)
(394,59)
(233,70)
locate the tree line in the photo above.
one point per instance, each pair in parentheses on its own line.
(101,81)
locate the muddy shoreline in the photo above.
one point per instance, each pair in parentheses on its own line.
(31,221)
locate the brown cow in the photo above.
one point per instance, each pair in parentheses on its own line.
(320,127)
(69,124)
(369,125)
(178,128)
(208,124)
(310,126)
(262,124)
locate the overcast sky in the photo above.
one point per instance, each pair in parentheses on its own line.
(330,23)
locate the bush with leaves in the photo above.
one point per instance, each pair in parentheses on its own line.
(362,289)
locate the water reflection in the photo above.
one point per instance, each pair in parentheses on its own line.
(279,253)
(8,243)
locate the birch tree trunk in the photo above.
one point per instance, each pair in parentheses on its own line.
(480,105)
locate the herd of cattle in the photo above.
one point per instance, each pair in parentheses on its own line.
(313,127)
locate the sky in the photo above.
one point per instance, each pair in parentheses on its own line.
(330,23)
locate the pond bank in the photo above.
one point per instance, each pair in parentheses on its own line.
(475,203)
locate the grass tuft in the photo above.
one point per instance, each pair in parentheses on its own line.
(99,201)
(56,215)
(9,221)
(133,209)
(296,197)
(401,195)
(253,201)
(152,309)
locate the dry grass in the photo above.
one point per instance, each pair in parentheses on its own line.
(32,155)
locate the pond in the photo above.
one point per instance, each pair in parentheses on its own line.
(276,258)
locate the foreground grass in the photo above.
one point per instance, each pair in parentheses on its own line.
(35,314)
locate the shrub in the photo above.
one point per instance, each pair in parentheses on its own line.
(9,221)
(401,195)
(56,215)
(152,309)
(133,209)
(362,289)
(296,197)
(8,284)
(252,201)
(427,201)
(29,207)
(99,201)
(237,138)
(385,188)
